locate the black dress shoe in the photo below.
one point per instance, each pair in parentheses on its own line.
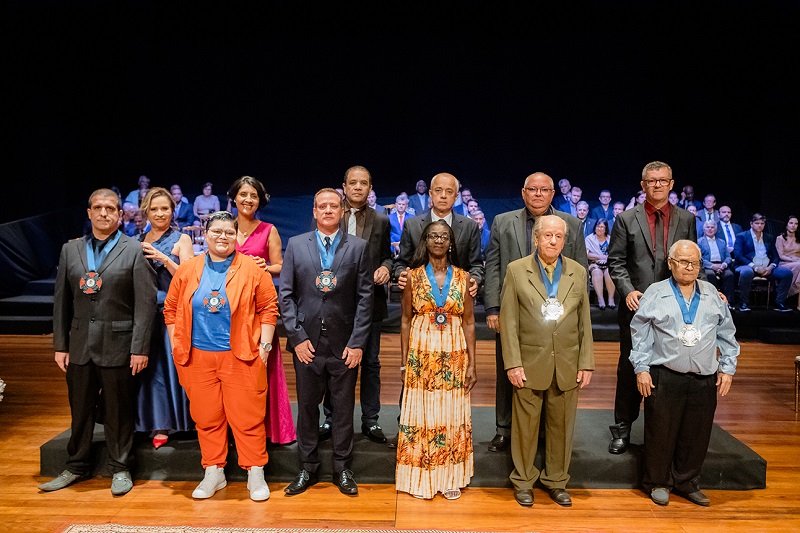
(344,480)
(524,497)
(696,497)
(620,434)
(373,432)
(324,432)
(304,480)
(499,443)
(561,497)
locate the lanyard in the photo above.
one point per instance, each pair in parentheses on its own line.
(441,298)
(95,261)
(326,256)
(690,312)
(550,286)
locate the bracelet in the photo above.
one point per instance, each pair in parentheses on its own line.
(402,369)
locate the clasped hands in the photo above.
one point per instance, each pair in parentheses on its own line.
(305,352)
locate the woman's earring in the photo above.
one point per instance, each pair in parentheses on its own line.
(450,249)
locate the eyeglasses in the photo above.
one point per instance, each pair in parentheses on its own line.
(660,181)
(686,264)
(544,190)
(217,233)
(441,237)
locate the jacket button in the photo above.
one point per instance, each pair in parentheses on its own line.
(552,354)
(92,320)
(94,299)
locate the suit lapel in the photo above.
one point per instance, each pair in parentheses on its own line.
(641,218)
(339,253)
(313,251)
(233,296)
(112,255)
(520,231)
(535,277)
(566,282)
(673,223)
(369,219)
(82,251)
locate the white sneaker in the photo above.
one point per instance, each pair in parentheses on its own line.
(212,482)
(259,490)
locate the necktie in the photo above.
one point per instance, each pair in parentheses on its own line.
(729,235)
(658,243)
(549,269)
(400,219)
(327,244)
(351,224)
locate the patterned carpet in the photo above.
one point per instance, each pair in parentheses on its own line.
(117,528)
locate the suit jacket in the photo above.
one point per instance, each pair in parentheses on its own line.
(346,310)
(683,204)
(184,215)
(744,250)
(598,213)
(587,226)
(735,229)
(630,252)
(468,244)
(109,326)
(542,347)
(379,209)
(701,214)
(705,250)
(508,242)
(698,226)
(461,209)
(378,254)
(415,203)
(394,223)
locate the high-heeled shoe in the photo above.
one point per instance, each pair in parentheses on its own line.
(612,305)
(159,440)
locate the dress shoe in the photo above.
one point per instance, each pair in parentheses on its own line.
(213,481)
(561,497)
(499,443)
(620,436)
(602,307)
(612,305)
(524,497)
(259,490)
(743,308)
(121,483)
(159,440)
(325,432)
(344,480)
(373,432)
(697,497)
(392,443)
(304,480)
(660,496)
(781,308)
(64,479)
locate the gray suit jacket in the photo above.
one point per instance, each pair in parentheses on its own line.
(630,252)
(346,310)
(508,242)
(109,326)
(468,244)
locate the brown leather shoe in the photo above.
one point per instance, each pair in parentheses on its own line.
(524,497)
(697,497)
(561,497)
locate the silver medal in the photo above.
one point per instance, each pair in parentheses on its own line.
(689,335)
(552,309)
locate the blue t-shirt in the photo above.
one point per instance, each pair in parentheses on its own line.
(211,331)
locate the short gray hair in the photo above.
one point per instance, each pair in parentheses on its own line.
(684,242)
(537,227)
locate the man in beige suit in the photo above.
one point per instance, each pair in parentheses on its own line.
(547,351)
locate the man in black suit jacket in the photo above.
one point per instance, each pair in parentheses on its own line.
(637,258)
(184,213)
(373,227)
(726,229)
(326,295)
(419,200)
(444,188)
(605,209)
(587,224)
(103,308)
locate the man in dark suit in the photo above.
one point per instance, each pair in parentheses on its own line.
(419,201)
(397,220)
(756,255)
(373,227)
(687,198)
(708,212)
(637,257)
(444,188)
(717,262)
(605,209)
(184,215)
(726,229)
(326,294)
(103,308)
(587,224)
(564,198)
(511,238)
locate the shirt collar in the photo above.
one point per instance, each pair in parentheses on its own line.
(447,218)
(332,235)
(651,209)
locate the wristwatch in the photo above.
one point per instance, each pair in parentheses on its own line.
(266,346)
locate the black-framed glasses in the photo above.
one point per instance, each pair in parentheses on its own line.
(686,264)
(660,181)
(441,237)
(543,190)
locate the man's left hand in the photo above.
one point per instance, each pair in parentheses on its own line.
(381,275)
(352,357)
(138,363)
(584,377)
(473,287)
(724,383)
(644,382)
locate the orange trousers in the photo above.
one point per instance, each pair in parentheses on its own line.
(223,390)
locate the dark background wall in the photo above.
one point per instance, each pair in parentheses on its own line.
(98,93)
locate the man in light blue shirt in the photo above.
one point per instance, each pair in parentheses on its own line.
(680,324)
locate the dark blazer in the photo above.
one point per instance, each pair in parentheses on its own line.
(109,326)
(394,223)
(346,310)
(736,229)
(508,242)
(744,250)
(705,250)
(630,252)
(416,205)
(379,209)
(468,244)
(587,226)
(598,212)
(184,215)
(379,253)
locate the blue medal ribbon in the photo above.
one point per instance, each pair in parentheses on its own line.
(326,256)
(690,312)
(216,278)
(93,261)
(441,298)
(550,286)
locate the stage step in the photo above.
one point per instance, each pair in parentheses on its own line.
(26,325)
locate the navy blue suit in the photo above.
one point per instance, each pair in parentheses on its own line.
(744,251)
(598,213)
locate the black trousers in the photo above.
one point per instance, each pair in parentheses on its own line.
(626,398)
(84,384)
(678,417)
(326,372)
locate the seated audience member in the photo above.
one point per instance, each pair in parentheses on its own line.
(698,222)
(717,261)
(472,206)
(755,255)
(128,225)
(673,197)
(636,199)
(687,199)
(136,196)
(726,229)
(183,210)
(572,206)
(205,204)
(480,218)
(597,252)
(619,207)
(789,253)
(397,220)
(372,201)
(418,203)
(587,224)
(462,202)
(708,212)
(605,209)
(140,223)
(561,201)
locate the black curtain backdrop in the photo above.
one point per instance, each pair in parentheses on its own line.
(98,93)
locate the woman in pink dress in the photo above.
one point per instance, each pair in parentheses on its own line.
(789,252)
(261,241)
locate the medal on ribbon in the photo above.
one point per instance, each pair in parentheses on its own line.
(91,282)
(552,309)
(326,281)
(689,335)
(214,302)
(440,317)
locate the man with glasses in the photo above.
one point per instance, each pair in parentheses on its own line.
(511,238)
(680,325)
(637,257)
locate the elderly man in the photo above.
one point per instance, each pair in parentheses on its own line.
(511,238)
(680,325)
(547,350)
(564,198)
(708,212)
(587,224)
(717,262)
(636,259)
(103,308)
(687,198)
